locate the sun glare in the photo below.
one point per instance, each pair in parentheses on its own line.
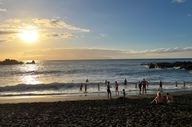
(28,34)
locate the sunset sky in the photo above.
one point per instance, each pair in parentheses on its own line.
(95,29)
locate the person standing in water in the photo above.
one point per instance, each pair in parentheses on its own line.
(81,87)
(108,90)
(98,86)
(140,86)
(144,86)
(85,89)
(160,86)
(116,88)
(87,81)
(86,86)
(125,81)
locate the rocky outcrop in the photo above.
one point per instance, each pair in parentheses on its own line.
(10,62)
(180,65)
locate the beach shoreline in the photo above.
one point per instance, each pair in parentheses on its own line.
(80,97)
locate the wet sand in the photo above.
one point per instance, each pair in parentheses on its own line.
(131,112)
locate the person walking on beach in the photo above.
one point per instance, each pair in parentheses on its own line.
(108,90)
(140,86)
(144,86)
(116,88)
(125,81)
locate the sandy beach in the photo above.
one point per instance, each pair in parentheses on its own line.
(98,111)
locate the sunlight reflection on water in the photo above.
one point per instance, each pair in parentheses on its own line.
(30,79)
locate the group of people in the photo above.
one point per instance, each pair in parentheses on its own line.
(143,86)
(116,88)
(160,99)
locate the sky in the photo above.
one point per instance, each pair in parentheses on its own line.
(96,29)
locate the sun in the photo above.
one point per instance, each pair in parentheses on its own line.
(28,34)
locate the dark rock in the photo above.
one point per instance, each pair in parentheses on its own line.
(181,65)
(10,62)
(32,62)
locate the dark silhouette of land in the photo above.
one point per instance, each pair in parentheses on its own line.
(180,65)
(10,62)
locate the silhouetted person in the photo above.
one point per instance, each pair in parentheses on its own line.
(124,94)
(125,82)
(140,86)
(85,89)
(108,90)
(87,81)
(144,86)
(106,82)
(98,86)
(160,86)
(176,84)
(116,88)
(184,84)
(81,87)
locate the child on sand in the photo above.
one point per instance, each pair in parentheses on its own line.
(169,98)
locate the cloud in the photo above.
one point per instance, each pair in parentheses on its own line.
(61,35)
(178,1)
(163,51)
(74,53)
(189,15)
(48,28)
(6,32)
(58,23)
(3,10)
(91,53)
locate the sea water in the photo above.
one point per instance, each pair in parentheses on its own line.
(66,76)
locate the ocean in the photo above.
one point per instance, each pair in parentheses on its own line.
(65,76)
